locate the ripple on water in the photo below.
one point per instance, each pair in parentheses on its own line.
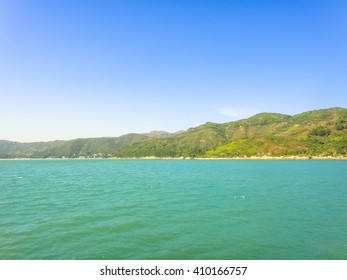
(135,209)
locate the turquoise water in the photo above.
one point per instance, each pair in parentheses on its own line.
(162,209)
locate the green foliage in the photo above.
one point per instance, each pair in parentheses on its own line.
(89,147)
(260,146)
(316,116)
(265,119)
(341,125)
(314,133)
(320,131)
(261,135)
(192,143)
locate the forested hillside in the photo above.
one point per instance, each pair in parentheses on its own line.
(314,133)
(88,147)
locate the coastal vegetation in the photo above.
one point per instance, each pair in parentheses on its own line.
(314,133)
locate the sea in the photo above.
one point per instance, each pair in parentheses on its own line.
(173,209)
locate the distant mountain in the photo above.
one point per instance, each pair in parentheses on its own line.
(314,133)
(10,149)
(87,147)
(157,134)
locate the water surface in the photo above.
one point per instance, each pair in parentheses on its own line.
(161,209)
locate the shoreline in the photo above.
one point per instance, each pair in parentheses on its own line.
(244,158)
(189,158)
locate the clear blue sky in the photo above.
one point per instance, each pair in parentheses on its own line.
(73,69)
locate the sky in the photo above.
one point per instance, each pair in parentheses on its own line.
(77,69)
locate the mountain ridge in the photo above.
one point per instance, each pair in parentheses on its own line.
(320,132)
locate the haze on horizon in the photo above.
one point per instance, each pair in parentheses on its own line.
(90,69)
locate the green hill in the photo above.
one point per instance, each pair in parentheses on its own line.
(88,147)
(314,133)
(91,147)
(10,149)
